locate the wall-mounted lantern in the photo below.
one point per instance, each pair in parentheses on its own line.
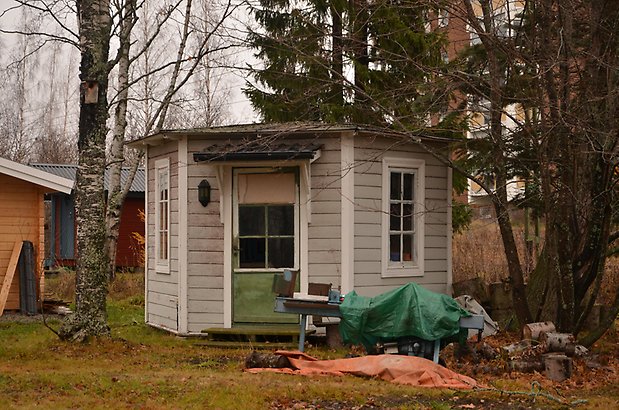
(204,192)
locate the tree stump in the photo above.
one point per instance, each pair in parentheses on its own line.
(558,367)
(532,331)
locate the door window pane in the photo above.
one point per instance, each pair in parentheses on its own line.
(281,220)
(252,252)
(251,220)
(281,252)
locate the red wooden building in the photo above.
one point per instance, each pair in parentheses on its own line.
(61,249)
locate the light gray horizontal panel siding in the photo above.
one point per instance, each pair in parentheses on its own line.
(326,194)
(368,255)
(202,321)
(435,241)
(435,253)
(199,243)
(205,269)
(368,242)
(435,230)
(211,282)
(159,315)
(205,306)
(326,219)
(163,283)
(368,192)
(319,169)
(324,244)
(160,298)
(377,290)
(205,294)
(324,232)
(368,217)
(325,207)
(202,220)
(366,179)
(362,229)
(196,172)
(436,218)
(325,256)
(199,257)
(329,270)
(329,156)
(436,182)
(205,232)
(368,205)
(436,193)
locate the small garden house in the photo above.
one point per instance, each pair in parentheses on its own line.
(229,207)
(22,219)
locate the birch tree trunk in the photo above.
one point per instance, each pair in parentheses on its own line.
(90,317)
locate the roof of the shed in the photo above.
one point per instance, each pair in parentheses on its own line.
(296,129)
(69,171)
(36,176)
(258,150)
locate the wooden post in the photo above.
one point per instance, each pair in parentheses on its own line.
(8,277)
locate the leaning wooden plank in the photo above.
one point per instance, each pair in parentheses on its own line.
(8,277)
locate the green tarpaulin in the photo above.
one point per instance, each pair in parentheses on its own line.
(409,310)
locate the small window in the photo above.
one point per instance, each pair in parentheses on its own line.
(162,216)
(266,236)
(403,199)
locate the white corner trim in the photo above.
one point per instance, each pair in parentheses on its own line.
(226,203)
(304,220)
(419,167)
(146,235)
(220,184)
(183,284)
(35,176)
(347,198)
(449,227)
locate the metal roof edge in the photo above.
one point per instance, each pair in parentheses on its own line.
(35,176)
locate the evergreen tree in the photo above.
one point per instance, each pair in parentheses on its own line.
(359,61)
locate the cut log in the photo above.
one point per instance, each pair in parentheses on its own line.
(259,360)
(524,366)
(558,367)
(559,342)
(532,331)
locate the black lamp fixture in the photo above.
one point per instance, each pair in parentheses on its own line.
(204,192)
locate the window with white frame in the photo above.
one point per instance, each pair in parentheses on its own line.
(403,217)
(162,216)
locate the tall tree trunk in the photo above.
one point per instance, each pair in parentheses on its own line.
(116,192)
(90,317)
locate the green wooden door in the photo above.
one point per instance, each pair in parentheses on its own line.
(265,241)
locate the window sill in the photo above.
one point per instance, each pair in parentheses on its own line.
(162,269)
(402,272)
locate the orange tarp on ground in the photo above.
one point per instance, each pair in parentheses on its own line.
(410,370)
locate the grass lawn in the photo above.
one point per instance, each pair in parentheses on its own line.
(141,367)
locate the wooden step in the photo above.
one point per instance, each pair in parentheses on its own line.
(255,334)
(251,345)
